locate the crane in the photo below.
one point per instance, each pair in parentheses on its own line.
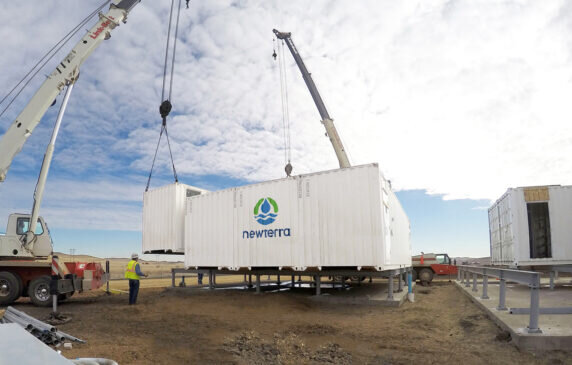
(65,75)
(27,236)
(328,122)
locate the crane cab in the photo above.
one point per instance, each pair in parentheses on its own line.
(11,243)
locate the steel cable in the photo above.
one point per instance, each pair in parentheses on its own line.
(57,47)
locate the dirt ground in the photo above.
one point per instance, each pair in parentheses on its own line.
(198,326)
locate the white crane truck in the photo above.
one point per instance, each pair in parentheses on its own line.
(25,247)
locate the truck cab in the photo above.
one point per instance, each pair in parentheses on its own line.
(427,265)
(13,245)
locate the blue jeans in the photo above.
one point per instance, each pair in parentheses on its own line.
(133,290)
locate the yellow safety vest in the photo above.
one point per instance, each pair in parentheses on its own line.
(130,272)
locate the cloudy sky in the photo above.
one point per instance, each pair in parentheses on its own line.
(456,100)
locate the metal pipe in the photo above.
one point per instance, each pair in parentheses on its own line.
(318,285)
(400,283)
(35,322)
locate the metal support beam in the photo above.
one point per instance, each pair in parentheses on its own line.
(292,282)
(475,282)
(183,281)
(257,283)
(552,280)
(400,283)
(318,285)
(534,306)
(172,278)
(459,274)
(211,281)
(250,280)
(278,280)
(502,293)
(390,288)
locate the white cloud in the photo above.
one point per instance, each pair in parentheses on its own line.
(459,98)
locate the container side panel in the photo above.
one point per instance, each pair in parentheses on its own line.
(519,215)
(163,218)
(331,218)
(209,231)
(400,253)
(560,213)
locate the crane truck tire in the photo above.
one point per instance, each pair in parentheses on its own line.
(414,275)
(10,287)
(39,291)
(425,276)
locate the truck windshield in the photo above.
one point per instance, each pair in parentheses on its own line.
(22,226)
(442,259)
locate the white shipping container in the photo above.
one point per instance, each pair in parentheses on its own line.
(339,218)
(532,227)
(164,218)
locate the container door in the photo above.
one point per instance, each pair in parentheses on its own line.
(539,230)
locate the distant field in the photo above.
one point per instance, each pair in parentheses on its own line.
(155,269)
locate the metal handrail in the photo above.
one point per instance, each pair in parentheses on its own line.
(530,278)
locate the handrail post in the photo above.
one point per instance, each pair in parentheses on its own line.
(502,293)
(467,279)
(475,282)
(318,285)
(485,285)
(534,304)
(173,278)
(458,274)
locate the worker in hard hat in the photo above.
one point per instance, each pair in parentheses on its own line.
(133,273)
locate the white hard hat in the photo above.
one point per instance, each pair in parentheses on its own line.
(134,256)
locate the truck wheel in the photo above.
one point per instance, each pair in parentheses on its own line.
(414,275)
(39,291)
(9,288)
(426,275)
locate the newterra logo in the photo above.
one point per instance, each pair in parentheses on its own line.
(265,213)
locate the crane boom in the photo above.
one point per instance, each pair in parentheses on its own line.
(65,73)
(326,120)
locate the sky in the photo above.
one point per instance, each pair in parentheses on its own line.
(456,100)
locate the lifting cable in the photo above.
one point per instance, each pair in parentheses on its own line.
(21,85)
(166,106)
(285,110)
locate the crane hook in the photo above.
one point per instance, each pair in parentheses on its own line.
(273,50)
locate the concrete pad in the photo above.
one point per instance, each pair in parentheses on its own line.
(556,329)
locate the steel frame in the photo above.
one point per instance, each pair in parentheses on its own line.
(315,274)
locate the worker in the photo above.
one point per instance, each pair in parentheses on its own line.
(133,273)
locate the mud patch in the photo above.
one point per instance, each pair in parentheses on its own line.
(425,292)
(285,349)
(316,329)
(503,336)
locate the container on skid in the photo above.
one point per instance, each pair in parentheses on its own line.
(164,218)
(531,226)
(346,218)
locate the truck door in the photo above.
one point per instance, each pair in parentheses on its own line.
(443,265)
